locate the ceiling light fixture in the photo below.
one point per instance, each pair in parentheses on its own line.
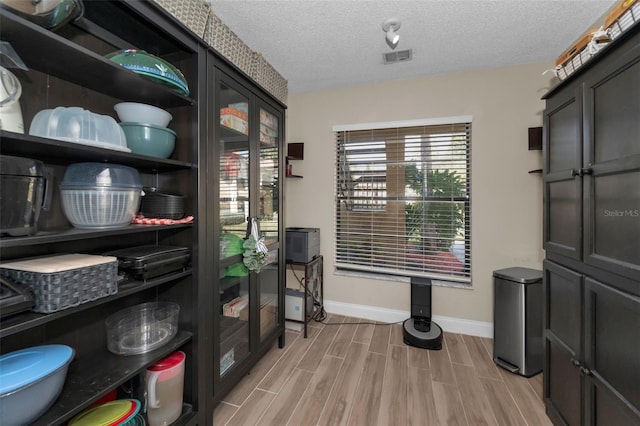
(390,26)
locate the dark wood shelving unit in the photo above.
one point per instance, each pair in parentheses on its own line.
(66,68)
(68,61)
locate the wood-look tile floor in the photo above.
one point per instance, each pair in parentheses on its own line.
(365,375)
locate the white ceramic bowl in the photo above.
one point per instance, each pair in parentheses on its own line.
(142,113)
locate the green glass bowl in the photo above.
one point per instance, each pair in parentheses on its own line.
(148,139)
(151,66)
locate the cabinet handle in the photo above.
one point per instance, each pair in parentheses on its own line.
(585,371)
(587,171)
(575,173)
(575,362)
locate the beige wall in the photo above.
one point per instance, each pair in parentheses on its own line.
(506,200)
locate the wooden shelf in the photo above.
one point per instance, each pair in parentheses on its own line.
(227,134)
(28,320)
(290,158)
(93,376)
(68,61)
(72,234)
(61,152)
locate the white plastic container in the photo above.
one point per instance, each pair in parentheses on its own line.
(74,124)
(164,385)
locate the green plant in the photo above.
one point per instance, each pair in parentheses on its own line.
(434,224)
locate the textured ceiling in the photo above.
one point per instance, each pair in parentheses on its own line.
(326,44)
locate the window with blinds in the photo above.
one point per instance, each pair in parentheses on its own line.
(403,200)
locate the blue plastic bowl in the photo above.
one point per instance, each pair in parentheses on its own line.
(31,380)
(149,139)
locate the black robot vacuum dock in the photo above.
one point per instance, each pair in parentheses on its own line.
(419,330)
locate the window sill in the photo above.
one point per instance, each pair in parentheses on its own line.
(398,278)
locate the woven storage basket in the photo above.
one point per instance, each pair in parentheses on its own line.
(270,79)
(64,281)
(574,57)
(192,13)
(569,67)
(228,44)
(624,16)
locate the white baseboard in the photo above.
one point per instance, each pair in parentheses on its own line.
(453,325)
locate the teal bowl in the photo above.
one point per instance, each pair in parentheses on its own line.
(149,139)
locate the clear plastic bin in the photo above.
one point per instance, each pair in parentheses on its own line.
(74,124)
(100,195)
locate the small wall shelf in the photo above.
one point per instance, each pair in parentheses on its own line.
(295,151)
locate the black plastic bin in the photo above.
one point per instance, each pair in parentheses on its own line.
(517,320)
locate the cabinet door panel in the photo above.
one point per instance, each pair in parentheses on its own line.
(563,390)
(564,140)
(269,175)
(233,176)
(269,295)
(563,217)
(614,112)
(612,339)
(269,214)
(562,153)
(613,225)
(609,410)
(563,305)
(612,156)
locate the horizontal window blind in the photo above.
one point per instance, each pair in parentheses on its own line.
(403,200)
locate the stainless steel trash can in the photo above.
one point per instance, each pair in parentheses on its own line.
(517,320)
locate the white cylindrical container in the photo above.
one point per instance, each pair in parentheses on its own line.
(164,383)
(10,111)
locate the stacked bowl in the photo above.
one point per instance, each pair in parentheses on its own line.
(145,127)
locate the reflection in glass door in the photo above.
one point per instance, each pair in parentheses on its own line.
(234,209)
(268,214)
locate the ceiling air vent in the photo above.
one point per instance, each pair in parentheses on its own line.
(399,56)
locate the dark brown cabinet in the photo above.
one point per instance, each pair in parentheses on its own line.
(591,348)
(245,143)
(592,164)
(591,236)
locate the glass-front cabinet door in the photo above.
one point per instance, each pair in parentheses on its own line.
(269,218)
(246,178)
(234,193)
